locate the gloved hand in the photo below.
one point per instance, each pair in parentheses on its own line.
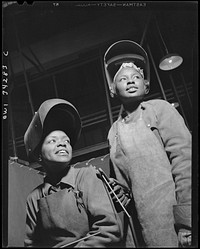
(184,237)
(122,193)
(121,196)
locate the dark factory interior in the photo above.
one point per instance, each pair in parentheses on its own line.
(55,50)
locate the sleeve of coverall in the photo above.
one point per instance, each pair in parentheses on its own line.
(177,142)
(31,221)
(102,215)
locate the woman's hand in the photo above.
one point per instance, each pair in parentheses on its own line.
(122,192)
(184,237)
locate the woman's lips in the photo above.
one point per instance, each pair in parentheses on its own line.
(62,152)
(131,89)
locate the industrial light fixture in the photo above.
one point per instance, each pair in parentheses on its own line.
(170,60)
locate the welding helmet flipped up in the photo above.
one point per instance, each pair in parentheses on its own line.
(53,114)
(125,51)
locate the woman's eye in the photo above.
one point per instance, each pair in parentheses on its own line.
(122,79)
(67,141)
(137,77)
(51,141)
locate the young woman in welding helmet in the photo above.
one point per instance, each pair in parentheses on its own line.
(150,151)
(72,206)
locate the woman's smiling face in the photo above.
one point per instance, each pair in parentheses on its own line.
(56,151)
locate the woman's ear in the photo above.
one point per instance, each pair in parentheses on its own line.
(147,86)
(40,158)
(112,90)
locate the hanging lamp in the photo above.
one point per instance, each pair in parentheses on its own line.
(170,60)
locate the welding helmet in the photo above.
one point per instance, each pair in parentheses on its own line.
(53,114)
(125,51)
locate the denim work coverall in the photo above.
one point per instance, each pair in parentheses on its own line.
(81,208)
(150,152)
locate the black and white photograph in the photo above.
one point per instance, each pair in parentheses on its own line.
(100,124)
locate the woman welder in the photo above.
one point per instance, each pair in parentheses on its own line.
(150,151)
(72,203)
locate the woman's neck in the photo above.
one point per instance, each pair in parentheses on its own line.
(131,107)
(55,177)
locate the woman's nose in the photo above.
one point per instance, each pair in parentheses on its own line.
(130,82)
(61,143)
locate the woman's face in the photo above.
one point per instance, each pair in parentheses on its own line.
(129,84)
(56,151)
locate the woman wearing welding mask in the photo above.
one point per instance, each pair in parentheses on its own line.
(150,151)
(72,207)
